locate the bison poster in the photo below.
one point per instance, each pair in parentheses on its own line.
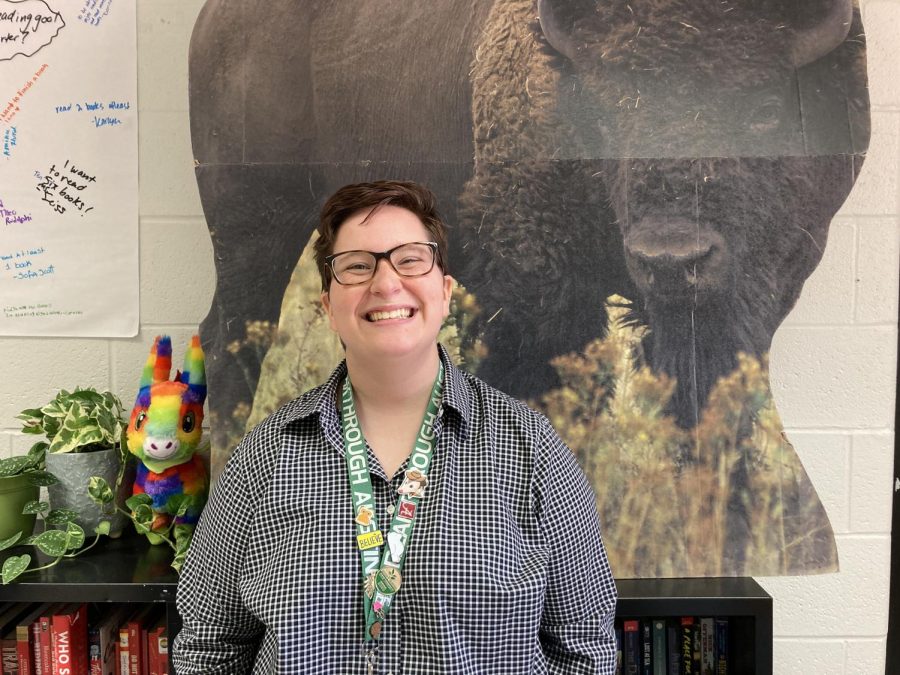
(638,192)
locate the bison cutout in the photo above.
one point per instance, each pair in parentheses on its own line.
(639,191)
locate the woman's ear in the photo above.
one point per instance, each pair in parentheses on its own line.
(326,304)
(449,285)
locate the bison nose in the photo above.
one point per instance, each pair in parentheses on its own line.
(670,260)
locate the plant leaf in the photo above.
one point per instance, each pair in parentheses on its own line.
(99,490)
(60,516)
(52,542)
(74,536)
(14,566)
(177,505)
(41,478)
(10,541)
(35,507)
(14,465)
(143,514)
(102,527)
(137,500)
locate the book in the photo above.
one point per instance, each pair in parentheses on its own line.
(43,660)
(721,646)
(658,631)
(68,640)
(25,638)
(686,646)
(707,646)
(695,640)
(158,647)
(619,643)
(106,631)
(9,615)
(631,651)
(646,648)
(673,649)
(132,657)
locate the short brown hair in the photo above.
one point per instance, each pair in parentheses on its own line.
(356,197)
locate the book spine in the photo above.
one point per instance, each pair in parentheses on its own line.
(95,661)
(659,647)
(673,639)
(36,647)
(646,648)
(123,647)
(46,652)
(632,633)
(721,646)
(9,659)
(134,649)
(687,645)
(163,642)
(23,649)
(620,649)
(707,646)
(61,644)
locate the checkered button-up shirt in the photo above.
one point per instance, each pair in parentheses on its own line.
(506,572)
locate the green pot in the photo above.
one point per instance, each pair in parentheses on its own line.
(15,492)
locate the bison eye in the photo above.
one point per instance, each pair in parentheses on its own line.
(139,422)
(188,422)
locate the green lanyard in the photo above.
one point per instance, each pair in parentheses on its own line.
(381,565)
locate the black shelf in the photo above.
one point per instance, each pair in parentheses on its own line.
(123,570)
(127,569)
(130,570)
(741,599)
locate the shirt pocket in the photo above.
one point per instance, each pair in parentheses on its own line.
(492,568)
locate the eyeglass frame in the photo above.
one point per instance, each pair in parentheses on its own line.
(383,255)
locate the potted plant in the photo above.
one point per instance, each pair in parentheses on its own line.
(21,478)
(85,432)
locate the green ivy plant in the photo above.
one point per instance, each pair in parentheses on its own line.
(80,421)
(56,543)
(84,420)
(141,514)
(31,465)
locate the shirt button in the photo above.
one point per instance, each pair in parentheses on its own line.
(390,510)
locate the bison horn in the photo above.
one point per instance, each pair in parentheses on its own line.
(815,42)
(557,19)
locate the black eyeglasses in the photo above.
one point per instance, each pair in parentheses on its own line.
(415,259)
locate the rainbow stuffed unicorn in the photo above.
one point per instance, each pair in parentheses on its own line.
(164,433)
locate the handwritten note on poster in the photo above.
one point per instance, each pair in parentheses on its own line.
(68,168)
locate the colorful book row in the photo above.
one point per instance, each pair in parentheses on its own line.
(79,639)
(685,645)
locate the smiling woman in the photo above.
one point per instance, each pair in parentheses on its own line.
(416,438)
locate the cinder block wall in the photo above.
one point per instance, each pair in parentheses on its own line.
(833,361)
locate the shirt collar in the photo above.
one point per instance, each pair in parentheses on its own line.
(456,396)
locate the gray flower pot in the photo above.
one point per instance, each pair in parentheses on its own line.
(74,471)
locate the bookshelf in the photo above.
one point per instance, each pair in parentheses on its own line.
(741,599)
(123,570)
(129,570)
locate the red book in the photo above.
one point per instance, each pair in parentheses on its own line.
(41,631)
(9,618)
(132,658)
(158,648)
(68,639)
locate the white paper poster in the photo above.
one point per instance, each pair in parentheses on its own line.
(69,169)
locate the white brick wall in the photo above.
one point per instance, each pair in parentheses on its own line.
(833,362)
